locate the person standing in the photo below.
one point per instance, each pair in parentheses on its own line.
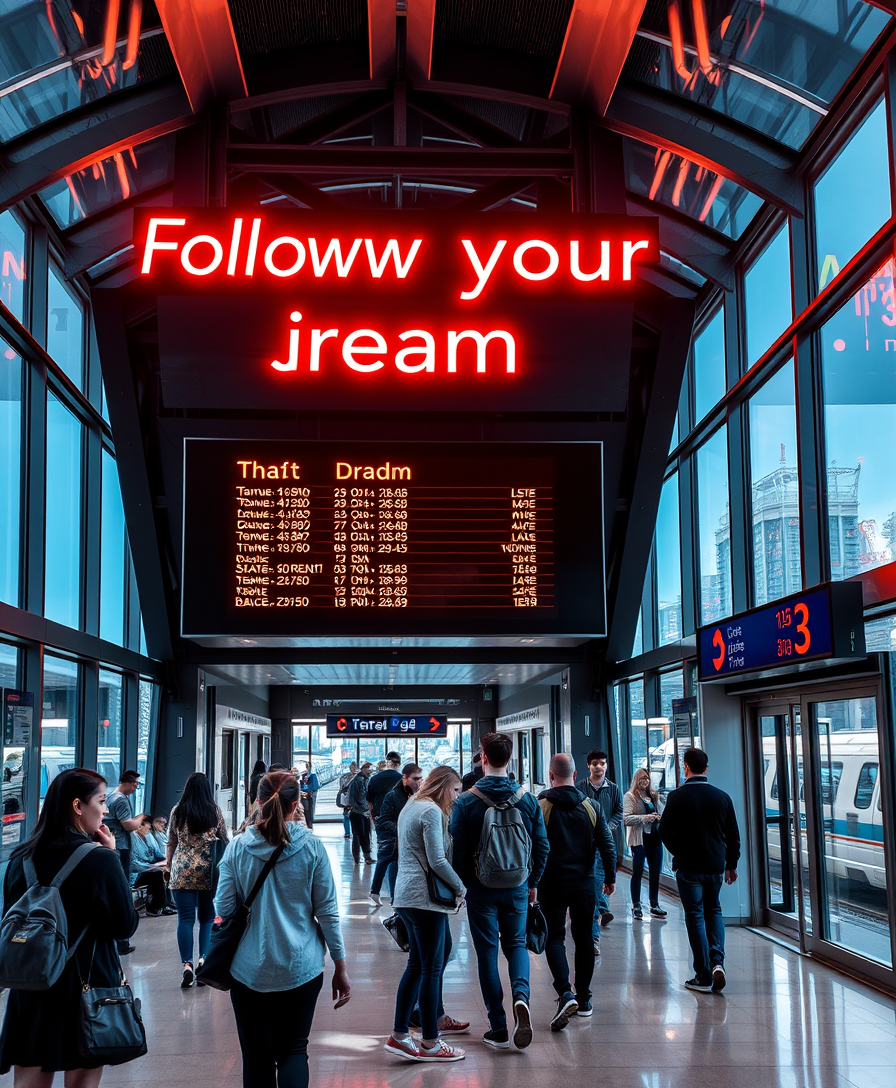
(424,849)
(642,809)
(345,781)
(40,1033)
(309,784)
(608,797)
(360,814)
(121,821)
(699,829)
(195,823)
(576,831)
(498,914)
(258,772)
(278,967)
(380,784)
(387,829)
(472,777)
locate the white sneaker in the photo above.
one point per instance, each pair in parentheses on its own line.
(441,1052)
(374,898)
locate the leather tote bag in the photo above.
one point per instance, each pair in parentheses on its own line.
(110,1030)
(440,893)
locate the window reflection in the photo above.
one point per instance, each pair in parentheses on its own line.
(668,564)
(858,353)
(65,329)
(112,555)
(147,700)
(12,265)
(709,366)
(62,564)
(767,298)
(10,471)
(714,528)
(774,468)
(110,735)
(637,724)
(59,719)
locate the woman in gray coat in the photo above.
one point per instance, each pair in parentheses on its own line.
(423,846)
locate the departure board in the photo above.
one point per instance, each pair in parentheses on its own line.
(299,538)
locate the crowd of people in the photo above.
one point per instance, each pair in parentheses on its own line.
(443,845)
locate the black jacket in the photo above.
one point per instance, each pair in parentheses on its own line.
(574,839)
(471,778)
(387,822)
(699,828)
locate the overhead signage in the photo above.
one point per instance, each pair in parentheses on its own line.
(825,622)
(404,311)
(291,538)
(536,717)
(405,725)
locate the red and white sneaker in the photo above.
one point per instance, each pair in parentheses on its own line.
(449,1026)
(402,1048)
(441,1052)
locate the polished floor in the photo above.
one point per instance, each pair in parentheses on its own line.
(783,1020)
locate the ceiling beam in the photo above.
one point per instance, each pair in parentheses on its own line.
(706,252)
(88,135)
(598,38)
(421,20)
(493,195)
(536,656)
(413,161)
(381,38)
(459,120)
(204,45)
(709,140)
(300,190)
(338,119)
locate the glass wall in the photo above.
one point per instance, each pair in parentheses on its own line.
(12,265)
(714,528)
(10,470)
(768,309)
(65,328)
(113,560)
(59,719)
(111,734)
(668,565)
(709,366)
(62,564)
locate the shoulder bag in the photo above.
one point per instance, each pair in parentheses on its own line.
(110,1028)
(226,937)
(441,894)
(217,852)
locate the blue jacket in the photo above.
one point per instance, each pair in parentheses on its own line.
(144,853)
(466,828)
(294,917)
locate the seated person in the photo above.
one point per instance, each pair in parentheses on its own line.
(159,832)
(147,869)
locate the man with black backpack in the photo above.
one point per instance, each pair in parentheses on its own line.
(499,851)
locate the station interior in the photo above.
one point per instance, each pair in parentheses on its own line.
(506,365)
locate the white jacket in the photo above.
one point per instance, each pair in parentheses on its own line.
(634,817)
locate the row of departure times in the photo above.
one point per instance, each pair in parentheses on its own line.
(370,526)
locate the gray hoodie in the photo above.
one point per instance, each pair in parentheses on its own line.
(294,917)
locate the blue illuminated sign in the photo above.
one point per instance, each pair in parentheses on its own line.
(406,725)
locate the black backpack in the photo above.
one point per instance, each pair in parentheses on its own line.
(504,857)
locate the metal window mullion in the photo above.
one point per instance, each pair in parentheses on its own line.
(88,733)
(886,727)
(690,574)
(92,495)
(35,433)
(739,512)
(130,716)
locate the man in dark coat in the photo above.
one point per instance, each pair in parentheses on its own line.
(387,828)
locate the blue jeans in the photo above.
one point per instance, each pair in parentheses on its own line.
(346,821)
(601,903)
(703,918)
(430,940)
(382,867)
(500,915)
(188,905)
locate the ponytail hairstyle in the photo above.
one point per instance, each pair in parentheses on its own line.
(439,786)
(278,791)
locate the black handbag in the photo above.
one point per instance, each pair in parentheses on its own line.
(226,936)
(218,848)
(110,1029)
(536,930)
(441,894)
(398,931)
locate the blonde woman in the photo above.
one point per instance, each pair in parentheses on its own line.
(424,847)
(641,811)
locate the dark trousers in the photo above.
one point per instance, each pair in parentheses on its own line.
(555,900)
(308,809)
(430,940)
(124,856)
(652,853)
(498,916)
(154,882)
(703,918)
(360,836)
(382,868)
(273,1029)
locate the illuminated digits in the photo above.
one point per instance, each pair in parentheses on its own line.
(719,643)
(801,612)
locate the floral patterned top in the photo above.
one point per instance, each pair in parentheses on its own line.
(193,855)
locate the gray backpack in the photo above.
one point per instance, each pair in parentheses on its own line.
(505,849)
(34,931)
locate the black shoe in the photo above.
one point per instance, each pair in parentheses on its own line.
(718,978)
(498,1039)
(168,911)
(126,950)
(637,913)
(700,987)
(153,914)
(522,1024)
(606,917)
(187,981)
(566,1008)
(658,912)
(585,1008)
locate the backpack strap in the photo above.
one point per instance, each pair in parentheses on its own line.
(483,797)
(77,857)
(512,801)
(589,808)
(546,809)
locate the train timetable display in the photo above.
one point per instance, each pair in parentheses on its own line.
(300,538)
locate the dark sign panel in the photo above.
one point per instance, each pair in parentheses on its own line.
(404,725)
(310,539)
(825,622)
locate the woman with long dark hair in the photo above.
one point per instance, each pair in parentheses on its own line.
(40,1030)
(258,772)
(195,823)
(278,967)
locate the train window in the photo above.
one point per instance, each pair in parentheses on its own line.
(830,782)
(775,787)
(865,785)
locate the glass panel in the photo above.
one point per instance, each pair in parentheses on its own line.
(690,189)
(65,329)
(714,528)
(112,556)
(440,751)
(637,647)
(852,197)
(371,750)
(59,720)
(858,355)
(147,732)
(770,64)
(668,564)
(853,859)
(466,743)
(709,366)
(12,264)
(637,724)
(767,299)
(10,472)
(774,469)
(62,565)
(301,740)
(15,766)
(110,737)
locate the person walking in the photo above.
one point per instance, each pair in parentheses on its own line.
(195,823)
(278,967)
(121,821)
(424,850)
(380,784)
(40,1034)
(345,781)
(642,809)
(309,784)
(498,913)
(387,830)
(360,814)
(576,830)
(147,868)
(472,777)
(258,772)
(699,829)
(608,797)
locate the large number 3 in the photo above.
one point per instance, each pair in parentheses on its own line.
(801,612)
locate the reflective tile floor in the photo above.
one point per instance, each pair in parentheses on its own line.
(783,1020)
